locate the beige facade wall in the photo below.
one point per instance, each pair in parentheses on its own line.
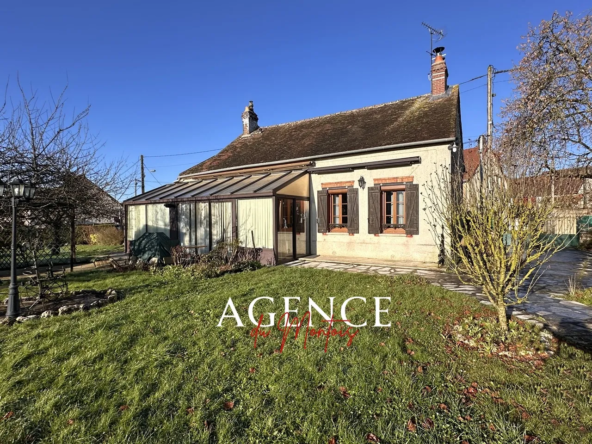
(421,248)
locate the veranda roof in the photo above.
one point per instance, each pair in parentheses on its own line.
(244,185)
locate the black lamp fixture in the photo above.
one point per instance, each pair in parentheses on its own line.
(362,182)
(25,191)
(453,147)
(17,187)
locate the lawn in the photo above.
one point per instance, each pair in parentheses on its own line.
(86,253)
(156,368)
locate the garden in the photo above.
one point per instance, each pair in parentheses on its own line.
(155,367)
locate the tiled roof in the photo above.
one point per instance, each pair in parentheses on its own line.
(416,119)
(471,156)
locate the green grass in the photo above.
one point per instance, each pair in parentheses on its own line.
(155,368)
(581,296)
(89,252)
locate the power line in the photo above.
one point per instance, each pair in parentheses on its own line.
(480,86)
(150,171)
(501,71)
(184,154)
(474,78)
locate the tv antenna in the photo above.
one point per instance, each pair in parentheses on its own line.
(435,36)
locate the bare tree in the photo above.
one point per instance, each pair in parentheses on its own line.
(549,118)
(41,143)
(496,236)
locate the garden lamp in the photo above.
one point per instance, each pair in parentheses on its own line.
(29,192)
(18,188)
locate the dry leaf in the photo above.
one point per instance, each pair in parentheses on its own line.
(428,424)
(382,344)
(123,407)
(371,437)
(420,369)
(8,415)
(70,421)
(228,405)
(427,389)
(411,425)
(344,392)
(410,352)
(190,411)
(332,440)
(252,370)
(443,407)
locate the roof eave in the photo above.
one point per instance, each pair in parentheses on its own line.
(325,156)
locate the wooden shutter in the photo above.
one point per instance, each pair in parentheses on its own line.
(374,210)
(353,219)
(411,209)
(322,198)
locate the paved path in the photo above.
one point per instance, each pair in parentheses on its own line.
(568,320)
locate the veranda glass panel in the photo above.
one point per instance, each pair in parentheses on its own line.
(221,222)
(285,230)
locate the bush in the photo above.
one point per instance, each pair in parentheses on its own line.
(98,235)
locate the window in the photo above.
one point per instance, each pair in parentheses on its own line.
(338,211)
(393,210)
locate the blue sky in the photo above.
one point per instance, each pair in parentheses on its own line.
(174,77)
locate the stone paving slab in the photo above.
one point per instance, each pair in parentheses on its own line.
(569,320)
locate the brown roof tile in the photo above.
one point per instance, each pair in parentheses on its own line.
(471,156)
(405,121)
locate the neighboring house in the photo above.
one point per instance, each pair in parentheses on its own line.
(105,209)
(345,184)
(570,188)
(479,168)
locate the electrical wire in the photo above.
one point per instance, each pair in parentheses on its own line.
(480,86)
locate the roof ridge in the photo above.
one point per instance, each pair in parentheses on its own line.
(344,112)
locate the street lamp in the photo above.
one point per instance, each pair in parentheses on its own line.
(19,190)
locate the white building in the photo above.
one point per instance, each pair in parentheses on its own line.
(345,184)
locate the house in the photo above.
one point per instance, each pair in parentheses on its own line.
(480,168)
(345,184)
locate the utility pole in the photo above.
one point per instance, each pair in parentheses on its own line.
(490,73)
(143,176)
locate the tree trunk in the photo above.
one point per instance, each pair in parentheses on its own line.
(502,317)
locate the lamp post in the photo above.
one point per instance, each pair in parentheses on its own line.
(19,190)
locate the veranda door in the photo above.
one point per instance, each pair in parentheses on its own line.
(292,229)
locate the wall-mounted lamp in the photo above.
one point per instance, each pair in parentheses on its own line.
(453,147)
(362,182)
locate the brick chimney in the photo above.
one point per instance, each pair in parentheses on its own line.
(250,120)
(439,74)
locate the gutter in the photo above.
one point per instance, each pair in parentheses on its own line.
(322,156)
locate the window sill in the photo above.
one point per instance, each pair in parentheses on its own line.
(394,235)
